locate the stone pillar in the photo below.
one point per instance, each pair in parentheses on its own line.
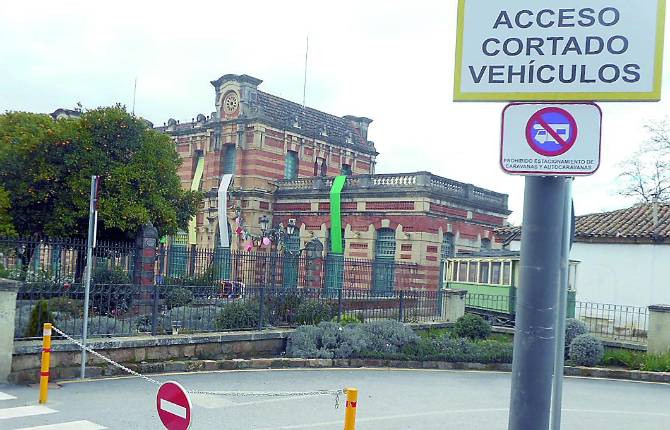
(145,257)
(658,337)
(8,290)
(453,304)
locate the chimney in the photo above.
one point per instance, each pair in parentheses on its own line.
(361,124)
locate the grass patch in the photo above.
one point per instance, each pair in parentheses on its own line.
(637,360)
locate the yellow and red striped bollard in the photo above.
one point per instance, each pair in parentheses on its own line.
(350,410)
(46,358)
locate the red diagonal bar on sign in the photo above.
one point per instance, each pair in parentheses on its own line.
(551,131)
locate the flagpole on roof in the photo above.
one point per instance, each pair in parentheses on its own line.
(304,86)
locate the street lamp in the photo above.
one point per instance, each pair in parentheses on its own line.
(290,228)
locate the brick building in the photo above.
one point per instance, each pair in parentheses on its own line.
(283,159)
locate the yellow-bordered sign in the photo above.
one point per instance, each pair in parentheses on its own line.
(489,65)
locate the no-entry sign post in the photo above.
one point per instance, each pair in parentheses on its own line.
(173,406)
(573,51)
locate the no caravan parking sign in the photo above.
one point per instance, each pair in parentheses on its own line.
(594,50)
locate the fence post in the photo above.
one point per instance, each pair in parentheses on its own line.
(45,363)
(154,310)
(659,329)
(8,291)
(339,304)
(401,306)
(261,306)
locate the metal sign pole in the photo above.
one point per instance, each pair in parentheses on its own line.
(557,393)
(89,267)
(534,343)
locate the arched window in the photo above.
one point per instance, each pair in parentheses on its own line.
(385,244)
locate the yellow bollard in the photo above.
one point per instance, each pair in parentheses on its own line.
(46,358)
(350,410)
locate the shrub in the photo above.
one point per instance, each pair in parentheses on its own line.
(283,308)
(313,312)
(472,326)
(388,336)
(237,315)
(39,315)
(586,350)
(178,296)
(202,318)
(67,306)
(573,328)
(106,276)
(326,340)
(348,319)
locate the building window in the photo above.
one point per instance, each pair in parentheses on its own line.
(346,170)
(291,169)
(324,167)
(385,244)
(486,245)
(448,249)
(229,159)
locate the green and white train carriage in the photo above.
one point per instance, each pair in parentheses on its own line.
(491,280)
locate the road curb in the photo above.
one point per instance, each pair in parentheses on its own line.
(308,363)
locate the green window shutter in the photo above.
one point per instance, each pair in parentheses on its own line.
(229,159)
(291,169)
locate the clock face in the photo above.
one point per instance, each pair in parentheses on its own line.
(231,103)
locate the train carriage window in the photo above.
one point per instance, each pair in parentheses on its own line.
(472,273)
(484,272)
(507,273)
(495,273)
(454,271)
(462,272)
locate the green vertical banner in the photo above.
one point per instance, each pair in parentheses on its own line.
(336,215)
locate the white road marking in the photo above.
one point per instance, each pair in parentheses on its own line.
(173,408)
(73,425)
(24,411)
(5,396)
(386,418)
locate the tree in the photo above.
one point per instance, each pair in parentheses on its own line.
(46,168)
(646,174)
(6,225)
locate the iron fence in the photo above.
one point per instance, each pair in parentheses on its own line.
(63,261)
(186,265)
(126,310)
(607,321)
(615,322)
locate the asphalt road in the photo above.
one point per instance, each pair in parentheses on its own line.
(388,400)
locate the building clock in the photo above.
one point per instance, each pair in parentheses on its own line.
(231,103)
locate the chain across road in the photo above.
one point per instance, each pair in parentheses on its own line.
(335,393)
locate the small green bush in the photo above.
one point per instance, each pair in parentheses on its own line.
(388,336)
(573,328)
(472,326)
(104,276)
(39,315)
(348,319)
(178,296)
(283,308)
(237,316)
(312,312)
(67,306)
(586,350)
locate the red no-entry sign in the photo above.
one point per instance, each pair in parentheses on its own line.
(174,406)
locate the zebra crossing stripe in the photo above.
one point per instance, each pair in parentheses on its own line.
(73,425)
(24,411)
(5,396)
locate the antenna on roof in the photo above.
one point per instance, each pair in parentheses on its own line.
(134,94)
(304,86)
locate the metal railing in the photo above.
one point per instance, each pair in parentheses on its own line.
(126,310)
(64,260)
(606,321)
(614,322)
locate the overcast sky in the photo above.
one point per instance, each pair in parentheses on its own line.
(389,61)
